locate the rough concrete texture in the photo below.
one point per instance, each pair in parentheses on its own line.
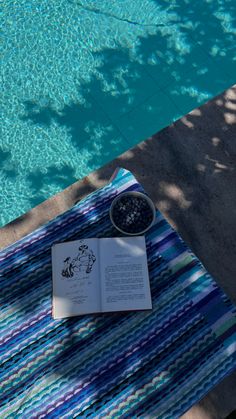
(189,170)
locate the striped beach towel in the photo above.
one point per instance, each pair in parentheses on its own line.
(139,364)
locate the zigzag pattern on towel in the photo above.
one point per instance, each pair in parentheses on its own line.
(154,363)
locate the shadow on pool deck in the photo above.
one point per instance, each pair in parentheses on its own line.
(189,171)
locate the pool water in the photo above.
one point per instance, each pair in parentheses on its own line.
(83,81)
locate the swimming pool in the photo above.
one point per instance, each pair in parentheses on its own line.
(83,81)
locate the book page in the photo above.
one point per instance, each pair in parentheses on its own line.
(124,274)
(76,287)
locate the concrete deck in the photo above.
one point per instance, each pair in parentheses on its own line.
(189,170)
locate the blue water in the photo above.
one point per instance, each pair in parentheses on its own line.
(83,81)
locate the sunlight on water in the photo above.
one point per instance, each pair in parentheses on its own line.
(71,72)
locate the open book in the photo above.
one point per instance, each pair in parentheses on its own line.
(100,275)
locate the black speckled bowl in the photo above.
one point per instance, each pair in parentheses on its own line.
(132,213)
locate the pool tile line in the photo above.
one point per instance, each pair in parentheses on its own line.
(190,72)
(115,121)
(111,121)
(185,71)
(206,52)
(139,107)
(155,89)
(196,100)
(146,119)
